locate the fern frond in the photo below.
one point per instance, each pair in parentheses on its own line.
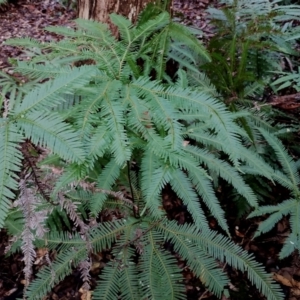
(24,42)
(63,241)
(204,188)
(203,266)
(288,207)
(160,45)
(10,164)
(165,114)
(41,71)
(183,35)
(223,249)
(73,173)
(226,171)
(151,26)
(285,160)
(124,25)
(99,142)
(159,178)
(47,95)
(108,287)
(182,186)
(50,131)
(221,119)
(115,124)
(106,233)
(256,163)
(105,181)
(129,276)
(14,222)
(48,276)
(160,277)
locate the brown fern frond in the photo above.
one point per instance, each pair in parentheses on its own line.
(84,268)
(34,221)
(31,156)
(71,209)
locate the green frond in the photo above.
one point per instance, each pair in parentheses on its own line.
(277,212)
(287,206)
(72,173)
(106,181)
(14,222)
(255,164)
(50,131)
(160,45)
(204,267)
(124,25)
(166,115)
(87,110)
(223,249)
(99,142)
(183,56)
(70,32)
(204,188)
(24,42)
(10,165)
(47,95)
(48,276)
(93,29)
(116,125)
(282,209)
(221,120)
(180,33)
(63,241)
(106,233)
(203,83)
(129,275)
(109,286)
(226,171)
(138,116)
(203,136)
(151,26)
(58,219)
(10,88)
(183,187)
(159,177)
(283,179)
(160,277)
(295,224)
(41,71)
(285,160)
(291,243)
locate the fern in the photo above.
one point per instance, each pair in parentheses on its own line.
(118,129)
(290,179)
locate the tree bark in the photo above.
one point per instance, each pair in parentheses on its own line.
(99,10)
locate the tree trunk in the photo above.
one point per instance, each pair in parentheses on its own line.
(99,10)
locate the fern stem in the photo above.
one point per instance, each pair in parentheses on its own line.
(135,209)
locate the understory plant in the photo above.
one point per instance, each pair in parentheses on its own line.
(250,43)
(91,140)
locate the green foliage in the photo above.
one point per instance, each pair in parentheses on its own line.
(117,127)
(248,44)
(289,178)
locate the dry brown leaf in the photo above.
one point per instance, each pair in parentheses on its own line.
(287,281)
(85,295)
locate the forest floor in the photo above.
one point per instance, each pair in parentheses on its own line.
(28,19)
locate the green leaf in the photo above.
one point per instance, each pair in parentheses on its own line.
(10,165)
